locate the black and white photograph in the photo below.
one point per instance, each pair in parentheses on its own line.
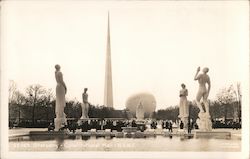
(124,79)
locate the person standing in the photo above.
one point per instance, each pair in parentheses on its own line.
(167,124)
(189,127)
(181,125)
(162,124)
(170,127)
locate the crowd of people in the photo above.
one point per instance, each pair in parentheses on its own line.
(99,124)
(167,125)
(117,125)
(102,124)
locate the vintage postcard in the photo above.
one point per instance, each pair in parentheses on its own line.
(124,79)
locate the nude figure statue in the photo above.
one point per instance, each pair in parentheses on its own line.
(140,111)
(61,90)
(85,104)
(183,102)
(203,91)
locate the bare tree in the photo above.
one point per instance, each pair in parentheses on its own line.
(226,97)
(16,97)
(12,90)
(239,98)
(35,93)
(47,98)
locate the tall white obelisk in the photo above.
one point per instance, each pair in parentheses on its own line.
(108,88)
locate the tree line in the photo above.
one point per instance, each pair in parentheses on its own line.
(37,104)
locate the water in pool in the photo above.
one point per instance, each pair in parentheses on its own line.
(157,143)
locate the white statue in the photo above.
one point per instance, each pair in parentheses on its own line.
(203,92)
(140,111)
(183,106)
(61,90)
(85,104)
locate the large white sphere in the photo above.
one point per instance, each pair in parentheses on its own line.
(148,101)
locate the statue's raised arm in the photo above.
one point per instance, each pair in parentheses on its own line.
(196,77)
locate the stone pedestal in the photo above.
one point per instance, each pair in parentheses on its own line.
(185,122)
(59,123)
(204,122)
(85,110)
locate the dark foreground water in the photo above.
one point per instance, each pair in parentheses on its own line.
(158,143)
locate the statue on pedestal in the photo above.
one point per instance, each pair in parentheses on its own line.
(204,122)
(183,106)
(85,104)
(61,90)
(140,111)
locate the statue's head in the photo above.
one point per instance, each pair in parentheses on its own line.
(205,70)
(57,67)
(85,89)
(183,85)
(140,104)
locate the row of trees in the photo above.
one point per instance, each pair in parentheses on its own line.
(38,103)
(230,99)
(25,105)
(217,111)
(227,106)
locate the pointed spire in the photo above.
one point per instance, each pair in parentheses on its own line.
(108,88)
(108,25)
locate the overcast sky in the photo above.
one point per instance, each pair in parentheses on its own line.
(155,46)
